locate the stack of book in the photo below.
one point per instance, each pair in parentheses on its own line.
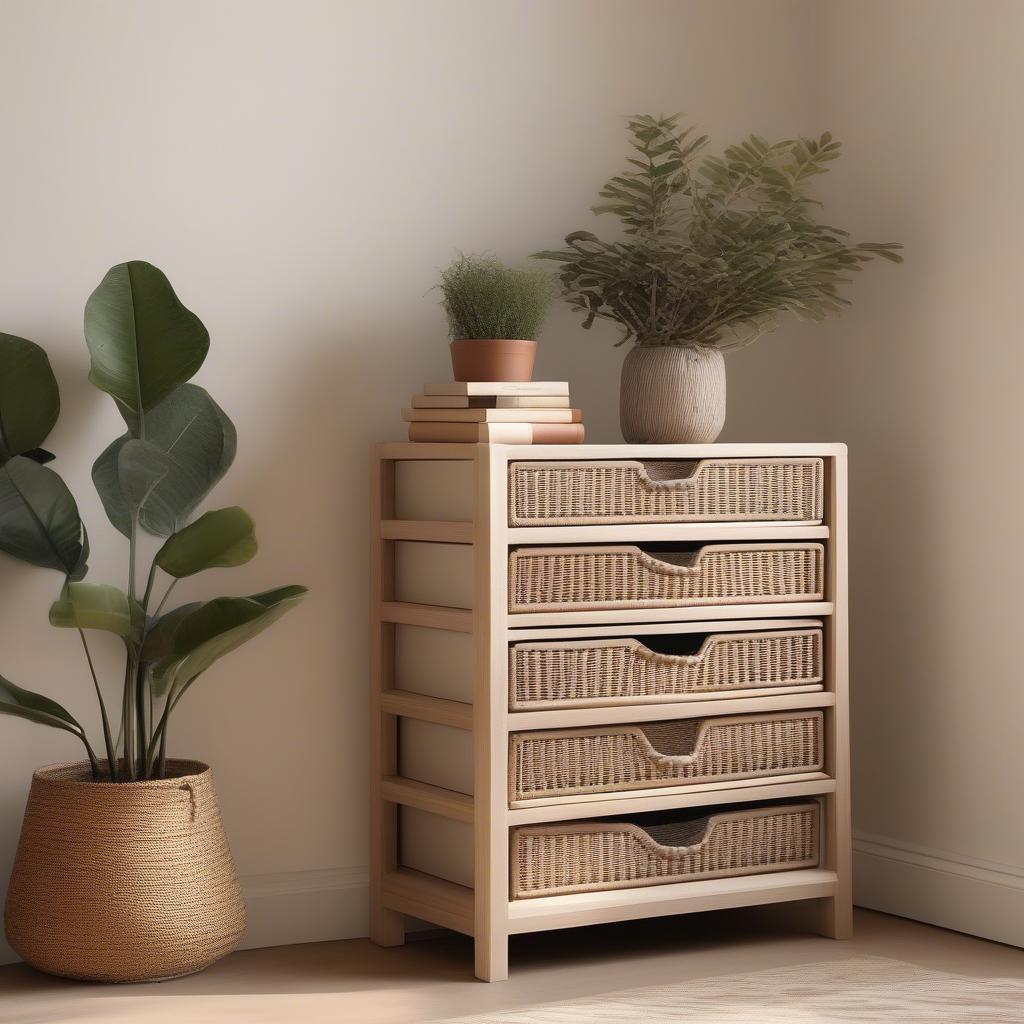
(531,412)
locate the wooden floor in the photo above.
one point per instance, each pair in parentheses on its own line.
(354,982)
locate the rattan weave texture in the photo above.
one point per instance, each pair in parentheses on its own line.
(626,576)
(556,859)
(681,491)
(618,758)
(590,673)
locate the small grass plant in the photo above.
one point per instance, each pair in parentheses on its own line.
(484,298)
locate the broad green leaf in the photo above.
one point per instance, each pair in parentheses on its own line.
(104,479)
(92,606)
(143,342)
(198,442)
(159,642)
(29,399)
(141,466)
(223,537)
(214,629)
(39,521)
(35,707)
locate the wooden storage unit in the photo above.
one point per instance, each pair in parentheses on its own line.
(448,693)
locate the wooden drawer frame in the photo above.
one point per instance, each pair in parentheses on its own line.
(486,911)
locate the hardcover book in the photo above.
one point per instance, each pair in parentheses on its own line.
(492,415)
(498,388)
(498,433)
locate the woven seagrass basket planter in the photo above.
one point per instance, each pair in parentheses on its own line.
(123,882)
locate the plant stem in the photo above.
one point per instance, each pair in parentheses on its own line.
(149,586)
(108,742)
(160,606)
(131,701)
(161,761)
(131,558)
(140,719)
(128,713)
(93,762)
(158,734)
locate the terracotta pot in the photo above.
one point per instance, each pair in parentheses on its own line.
(672,394)
(483,359)
(123,881)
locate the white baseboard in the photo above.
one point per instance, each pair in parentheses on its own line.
(306,906)
(950,890)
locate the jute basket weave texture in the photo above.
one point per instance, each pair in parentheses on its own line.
(123,882)
(681,491)
(589,673)
(599,576)
(549,860)
(617,758)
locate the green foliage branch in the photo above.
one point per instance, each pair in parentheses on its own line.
(715,248)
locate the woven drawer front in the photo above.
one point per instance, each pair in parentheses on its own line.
(599,576)
(617,758)
(681,491)
(549,860)
(588,673)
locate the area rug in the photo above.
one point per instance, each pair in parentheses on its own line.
(861,990)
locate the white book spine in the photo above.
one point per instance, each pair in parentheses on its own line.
(526,387)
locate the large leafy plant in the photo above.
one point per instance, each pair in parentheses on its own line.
(145,346)
(715,249)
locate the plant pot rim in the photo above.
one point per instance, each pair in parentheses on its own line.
(78,775)
(495,341)
(677,344)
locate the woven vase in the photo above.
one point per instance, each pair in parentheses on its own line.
(123,881)
(672,394)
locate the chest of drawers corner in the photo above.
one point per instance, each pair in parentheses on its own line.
(606,683)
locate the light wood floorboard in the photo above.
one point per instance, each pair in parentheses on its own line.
(431,979)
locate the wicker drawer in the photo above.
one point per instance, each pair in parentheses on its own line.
(626,576)
(552,860)
(677,491)
(591,673)
(617,758)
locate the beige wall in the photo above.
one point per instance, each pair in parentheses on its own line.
(301,170)
(924,382)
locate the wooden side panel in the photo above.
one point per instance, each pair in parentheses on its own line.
(386,926)
(434,574)
(435,490)
(490,710)
(437,846)
(836,913)
(436,754)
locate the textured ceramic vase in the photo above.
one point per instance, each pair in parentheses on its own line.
(477,359)
(125,881)
(672,394)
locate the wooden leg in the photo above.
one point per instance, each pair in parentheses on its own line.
(492,958)
(387,927)
(834,918)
